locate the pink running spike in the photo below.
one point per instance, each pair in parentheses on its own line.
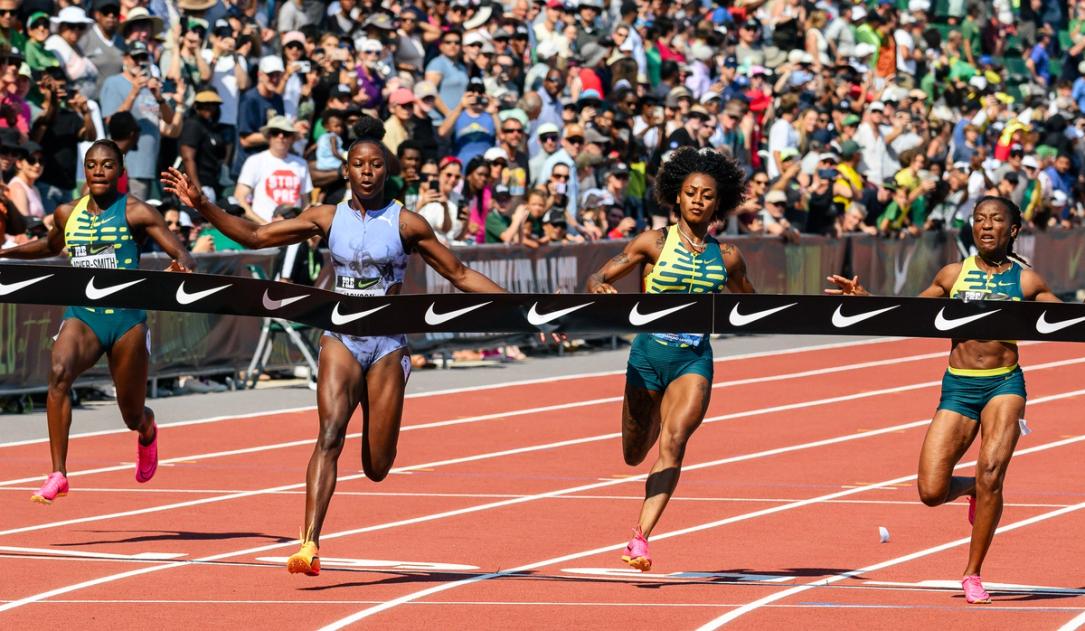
(147,457)
(636,552)
(56,485)
(974,593)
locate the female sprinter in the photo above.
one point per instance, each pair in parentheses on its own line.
(102,230)
(983,389)
(369,238)
(669,377)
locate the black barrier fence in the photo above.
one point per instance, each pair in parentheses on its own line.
(199,343)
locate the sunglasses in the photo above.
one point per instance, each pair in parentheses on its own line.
(6,13)
(297,45)
(555,176)
(499,163)
(33,160)
(110,12)
(575,140)
(276,133)
(549,137)
(458,10)
(512,130)
(553,79)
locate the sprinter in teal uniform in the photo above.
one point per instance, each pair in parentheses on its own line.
(102,230)
(669,376)
(983,389)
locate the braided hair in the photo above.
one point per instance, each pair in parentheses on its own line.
(1015,220)
(685,161)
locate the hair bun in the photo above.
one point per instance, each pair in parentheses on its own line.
(369,128)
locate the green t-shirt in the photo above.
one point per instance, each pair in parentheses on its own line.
(222,242)
(496,223)
(970,31)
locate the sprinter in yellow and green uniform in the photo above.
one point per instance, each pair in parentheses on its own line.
(983,388)
(669,376)
(102,230)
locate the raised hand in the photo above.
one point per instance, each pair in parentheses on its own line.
(177,183)
(846,286)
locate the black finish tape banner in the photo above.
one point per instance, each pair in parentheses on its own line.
(571,313)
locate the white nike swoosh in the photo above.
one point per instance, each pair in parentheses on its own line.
(841,321)
(186,298)
(738,319)
(943,323)
(637,318)
(433,318)
(272,305)
(1044,327)
(94,293)
(535,318)
(339,318)
(14,287)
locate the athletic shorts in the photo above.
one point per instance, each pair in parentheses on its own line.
(109,326)
(368,350)
(968,394)
(653,364)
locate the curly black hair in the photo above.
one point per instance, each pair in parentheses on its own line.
(685,161)
(1015,220)
(368,129)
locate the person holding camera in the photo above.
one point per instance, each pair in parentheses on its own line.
(65,120)
(437,202)
(472,124)
(229,77)
(139,91)
(70,24)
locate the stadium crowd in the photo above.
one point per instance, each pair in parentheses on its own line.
(544,122)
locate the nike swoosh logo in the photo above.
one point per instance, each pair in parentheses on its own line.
(14,287)
(339,318)
(901,276)
(1044,327)
(942,323)
(636,318)
(536,319)
(186,298)
(433,318)
(738,319)
(841,321)
(272,305)
(96,293)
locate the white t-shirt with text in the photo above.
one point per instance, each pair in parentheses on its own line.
(275,181)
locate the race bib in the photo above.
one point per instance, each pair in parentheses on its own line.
(358,287)
(94,255)
(683,339)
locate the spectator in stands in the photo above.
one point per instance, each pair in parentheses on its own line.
(65,119)
(21,188)
(439,203)
(102,42)
(256,107)
(274,176)
(203,147)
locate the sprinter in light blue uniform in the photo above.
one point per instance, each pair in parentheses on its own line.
(668,381)
(102,230)
(370,239)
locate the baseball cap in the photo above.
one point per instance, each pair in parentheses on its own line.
(788,153)
(849,148)
(401,96)
(495,153)
(776,197)
(850,119)
(293,37)
(1030,162)
(271,64)
(547,128)
(424,89)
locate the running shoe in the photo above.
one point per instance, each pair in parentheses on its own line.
(147,457)
(972,510)
(56,485)
(636,552)
(974,593)
(306,560)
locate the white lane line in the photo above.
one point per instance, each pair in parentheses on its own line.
(1074,623)
(484,417)
(771,598)
(141,556)
(460,390)
(339,624)
(556,445)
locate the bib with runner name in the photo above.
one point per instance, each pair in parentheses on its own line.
(681,271)
(101,240)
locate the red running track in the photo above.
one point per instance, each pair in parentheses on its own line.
(509,506)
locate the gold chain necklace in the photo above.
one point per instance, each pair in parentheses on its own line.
(696,246)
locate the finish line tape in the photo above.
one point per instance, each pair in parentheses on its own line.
(533,313)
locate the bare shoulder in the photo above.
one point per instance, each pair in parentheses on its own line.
(947,276)
(1032,283)
(61,214)
(730,252)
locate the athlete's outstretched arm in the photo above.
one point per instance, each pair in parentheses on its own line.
(154,225)
(417,234)
(644,248)
(50,245)
(313,221)
(737,280)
